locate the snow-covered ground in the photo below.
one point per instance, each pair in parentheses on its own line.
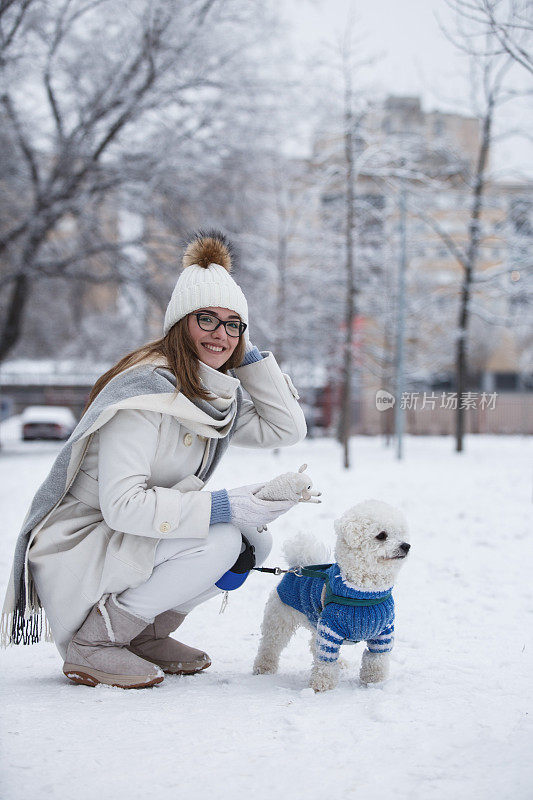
(453,721)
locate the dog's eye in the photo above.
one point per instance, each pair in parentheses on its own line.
(381,536)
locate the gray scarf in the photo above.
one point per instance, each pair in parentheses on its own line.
(22,617)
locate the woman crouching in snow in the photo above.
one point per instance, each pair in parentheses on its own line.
(119,544)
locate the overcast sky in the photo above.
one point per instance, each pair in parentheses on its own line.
(417,59)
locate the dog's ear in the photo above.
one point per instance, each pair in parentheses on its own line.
(339,526)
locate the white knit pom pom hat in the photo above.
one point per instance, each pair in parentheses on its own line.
(205,280)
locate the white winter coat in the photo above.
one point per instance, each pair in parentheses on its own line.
(134,484)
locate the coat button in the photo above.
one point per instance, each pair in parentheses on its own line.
(164,527)
(187,439)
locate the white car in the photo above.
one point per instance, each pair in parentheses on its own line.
(47,422)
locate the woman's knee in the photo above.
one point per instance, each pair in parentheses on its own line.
(262,543)
(225,540)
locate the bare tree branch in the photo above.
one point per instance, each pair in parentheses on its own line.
(9,28)
(23,143)
(459,255)
(507,32)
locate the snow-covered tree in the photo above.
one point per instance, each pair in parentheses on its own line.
(99,106)
(498,27)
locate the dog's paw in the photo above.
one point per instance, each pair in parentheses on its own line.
(264,667)
(322,684)
(374,667)
(324,677)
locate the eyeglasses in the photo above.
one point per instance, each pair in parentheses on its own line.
(208,322)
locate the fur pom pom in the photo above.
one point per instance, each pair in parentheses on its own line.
(209,247)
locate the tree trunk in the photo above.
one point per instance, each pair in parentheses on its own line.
(13,325)
(461,367)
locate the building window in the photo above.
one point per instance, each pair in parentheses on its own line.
(527,382)
(444,383)
(506,381)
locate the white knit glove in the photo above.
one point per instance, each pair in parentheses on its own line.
(247,509)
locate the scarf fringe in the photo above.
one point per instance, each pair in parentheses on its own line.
(28,623)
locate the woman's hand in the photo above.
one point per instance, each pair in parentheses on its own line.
(247,343)
(251,353)
(248,346)
(247,509)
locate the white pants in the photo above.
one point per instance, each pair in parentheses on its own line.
(186,570)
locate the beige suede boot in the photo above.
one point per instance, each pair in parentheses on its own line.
(98,652)
(154,644)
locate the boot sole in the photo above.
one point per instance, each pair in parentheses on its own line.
(95,677)
(170,667)
(180,671)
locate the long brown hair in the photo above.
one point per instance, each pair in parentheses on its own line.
(177,348)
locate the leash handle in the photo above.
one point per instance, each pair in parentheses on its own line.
(312,571)
(272,570)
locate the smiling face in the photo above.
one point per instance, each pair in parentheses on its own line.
(213,347)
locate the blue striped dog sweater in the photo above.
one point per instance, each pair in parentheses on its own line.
(337,623)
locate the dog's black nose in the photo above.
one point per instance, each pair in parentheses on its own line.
(405,547)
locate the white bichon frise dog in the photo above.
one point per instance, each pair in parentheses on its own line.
(349,600)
